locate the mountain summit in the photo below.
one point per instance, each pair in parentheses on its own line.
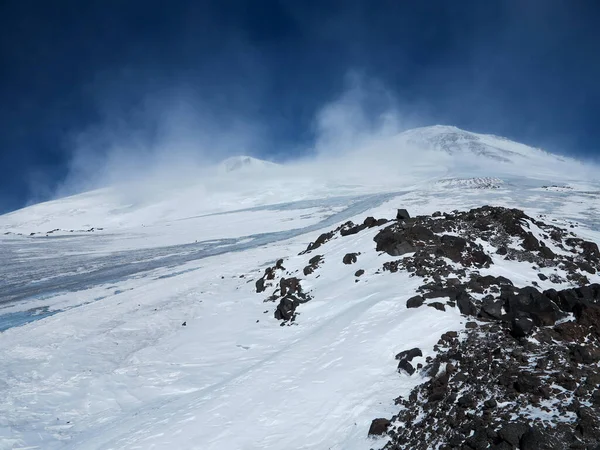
(244,164)
(454,141)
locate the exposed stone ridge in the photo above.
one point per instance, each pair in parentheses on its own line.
(525,372)
(528,377)
(490,390)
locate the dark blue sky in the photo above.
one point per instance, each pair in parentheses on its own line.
(527,70)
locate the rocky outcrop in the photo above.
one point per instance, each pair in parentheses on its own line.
(313,264)
(523,372)
(497,391)
(493,387)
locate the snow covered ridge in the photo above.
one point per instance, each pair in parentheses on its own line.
(524,372)
(471,183)
(454,141)
(245,164)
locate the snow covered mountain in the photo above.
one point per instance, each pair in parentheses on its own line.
(454,141)
(245,164)
(245,311)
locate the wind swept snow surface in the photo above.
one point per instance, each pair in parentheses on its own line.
(142,328)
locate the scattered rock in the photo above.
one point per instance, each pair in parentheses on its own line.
(402,214)
(415,302)
(379,427)
(350,258)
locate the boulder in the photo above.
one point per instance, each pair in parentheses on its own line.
(370,222)
(530,242)
(415,302)
(289,286)
(437,305)
(465,304)
(521,327)
(286,308)
(260,285)
(537,439)
(393,243)
(512,432)
(406,366)
(350,258)
(352,230)
(529,302)
(492,308)
(402,214)
(379,427)
(409,354)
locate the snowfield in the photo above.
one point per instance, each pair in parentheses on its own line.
(148,333)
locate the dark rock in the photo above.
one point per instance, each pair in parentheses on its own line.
(352,230)
(537,439)
(453,246)
(260,285)
(359,273)
(521,327)
(583,354)
(465,304)
(502,251)
(530,242)
(590,250)
(542,277)
(449,335)
(315,260)
(370,222)
(491,403)
(393,243)
(527,383)
(547,253)
(402,214)
(313,264)
(379,427)
(588,425)
(406,366)
(289,285)
(466,401)
(286,308)
(492,308)
(471,325)
(409,354)
(513,432)
(350,258)
(320,241)
(437,305)
(529,302)
(490,280)
(184,324)
(419,233)
(415,302)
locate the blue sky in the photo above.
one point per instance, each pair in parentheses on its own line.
(76,76)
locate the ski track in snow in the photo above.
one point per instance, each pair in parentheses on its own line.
(121,372)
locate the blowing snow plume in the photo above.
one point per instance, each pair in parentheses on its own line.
(364,137)
(163,145)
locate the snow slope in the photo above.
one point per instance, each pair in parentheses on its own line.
(110,365)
